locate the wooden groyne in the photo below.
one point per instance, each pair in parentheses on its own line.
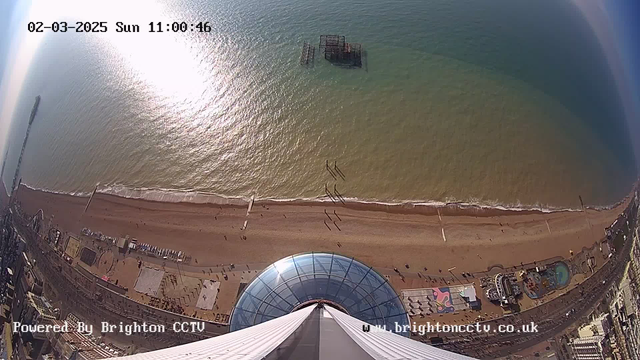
(90,199)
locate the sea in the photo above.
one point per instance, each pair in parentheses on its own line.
(496,103)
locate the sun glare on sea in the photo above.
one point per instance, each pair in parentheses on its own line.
(165,61)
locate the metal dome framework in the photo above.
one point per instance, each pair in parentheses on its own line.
(298,280)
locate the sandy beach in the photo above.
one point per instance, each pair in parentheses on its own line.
(380,236)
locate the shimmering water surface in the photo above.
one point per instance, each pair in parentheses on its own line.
(500,101)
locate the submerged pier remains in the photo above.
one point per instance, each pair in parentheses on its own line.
(337,51)
(308,54)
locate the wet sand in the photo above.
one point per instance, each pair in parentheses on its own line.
(379,235)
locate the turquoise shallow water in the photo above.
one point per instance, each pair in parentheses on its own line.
(498,102)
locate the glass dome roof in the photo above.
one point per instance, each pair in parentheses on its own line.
(295,280)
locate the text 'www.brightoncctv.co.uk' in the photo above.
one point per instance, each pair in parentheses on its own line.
(436,328)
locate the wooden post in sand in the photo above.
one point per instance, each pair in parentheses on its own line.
(244,226)
(581,202)
(441,225)
(253,197)
(586,218)
(90,198)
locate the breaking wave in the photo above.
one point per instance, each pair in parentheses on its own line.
(200,197)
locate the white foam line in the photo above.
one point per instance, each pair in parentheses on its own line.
(193,196)
(72,193)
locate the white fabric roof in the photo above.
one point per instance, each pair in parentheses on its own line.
(385,345)
(251,343)
(260,340)
(470,293)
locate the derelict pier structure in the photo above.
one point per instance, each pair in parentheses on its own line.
(335,50)
(308,54)
(339,52)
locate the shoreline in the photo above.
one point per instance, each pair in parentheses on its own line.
(416,206)
(380,236)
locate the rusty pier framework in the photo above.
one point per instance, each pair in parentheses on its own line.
(308,54)
(339,52)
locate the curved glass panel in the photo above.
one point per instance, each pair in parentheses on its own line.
(297,279)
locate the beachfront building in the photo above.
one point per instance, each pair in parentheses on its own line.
(589,348)
(503,288)
(73,344)
(37,310)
